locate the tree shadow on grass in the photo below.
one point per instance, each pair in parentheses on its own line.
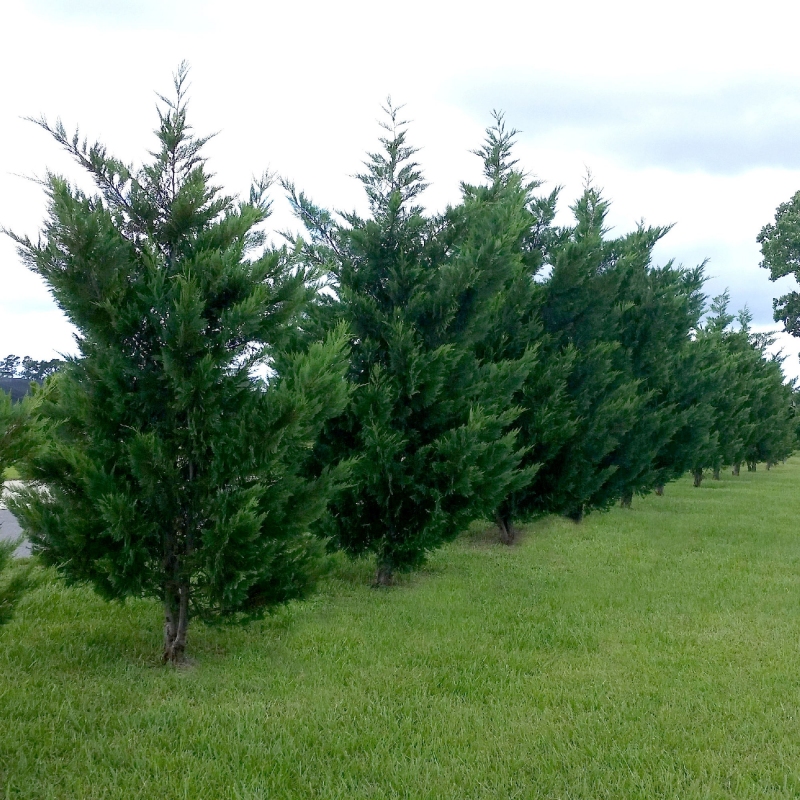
(483,533)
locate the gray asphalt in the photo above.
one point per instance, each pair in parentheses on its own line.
(9,529)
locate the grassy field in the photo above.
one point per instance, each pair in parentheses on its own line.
(648,653)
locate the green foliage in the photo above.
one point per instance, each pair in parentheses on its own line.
(18,431)
(15,580)
(752,416)
(780,249)
(28,368)
(171,471)
(429,421)
(18,435)
(584,312)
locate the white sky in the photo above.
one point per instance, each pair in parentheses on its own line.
(686,112)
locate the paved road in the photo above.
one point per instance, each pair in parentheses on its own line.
(9,529)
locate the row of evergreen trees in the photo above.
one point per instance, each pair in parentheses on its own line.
(423,370)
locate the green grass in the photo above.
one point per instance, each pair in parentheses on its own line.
(647,653)
(10,474)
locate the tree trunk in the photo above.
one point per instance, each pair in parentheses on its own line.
(751,466)
(716,474)
(769,465)
(176,623)
(384,575)
(698,476)
(576,515)
(508,533)
(626,500)
(660,490)
(736,468)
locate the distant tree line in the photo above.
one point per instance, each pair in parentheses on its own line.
(28,368)
(422,370)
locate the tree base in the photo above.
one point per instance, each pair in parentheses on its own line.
(576,516)
(508,533)
(697,474)
(660,490)
(384,577)
(174,653)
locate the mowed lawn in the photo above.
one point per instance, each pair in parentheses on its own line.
(645,653)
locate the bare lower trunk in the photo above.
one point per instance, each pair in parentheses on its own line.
(176,623)
(736,468)
(751,466)
(660,490)
(769,465)
(716,474)
(508,533)
(698,476)
(626,500)
(576,515)
(384,575)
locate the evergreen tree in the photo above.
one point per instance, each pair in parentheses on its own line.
(752,416)
(727,392)
(429,421)
(684,373)
(658,312)
(770,415)
(547,418)
(583,312)
(172,472)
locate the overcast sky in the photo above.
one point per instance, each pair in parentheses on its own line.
(684,112)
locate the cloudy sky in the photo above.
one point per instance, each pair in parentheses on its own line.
(684,112)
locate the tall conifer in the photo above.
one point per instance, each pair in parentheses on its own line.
(173,472)
(430,421)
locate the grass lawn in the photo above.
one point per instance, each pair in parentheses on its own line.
(647,653)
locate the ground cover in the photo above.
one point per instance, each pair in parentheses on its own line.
(644,653)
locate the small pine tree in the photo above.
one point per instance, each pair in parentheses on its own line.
(172,472)
(429,422)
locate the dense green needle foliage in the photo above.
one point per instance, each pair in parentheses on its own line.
(547,418)
(171,471)
(752,408)
(429,421)
(18,436)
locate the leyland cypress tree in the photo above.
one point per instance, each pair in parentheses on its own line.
(733,389)
(768,432)
(661,311)
(582,311)
(429,421)
(693,386)
(547,417)
(172,471)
